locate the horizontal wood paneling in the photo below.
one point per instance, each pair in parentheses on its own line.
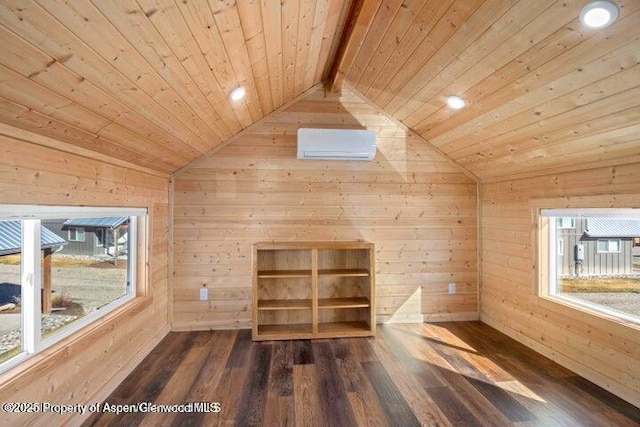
(415,206)
(78,370)
(605,352)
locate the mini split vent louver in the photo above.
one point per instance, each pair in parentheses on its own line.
(336,144)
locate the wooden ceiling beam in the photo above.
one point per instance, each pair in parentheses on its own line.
(358,24)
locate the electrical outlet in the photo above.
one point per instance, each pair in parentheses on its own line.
(452,288)
(204,294)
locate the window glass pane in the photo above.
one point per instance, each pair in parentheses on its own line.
(603,246)
(10,290)
(87,269)
(84,275)
(565,222)
(100,237)
(595,269)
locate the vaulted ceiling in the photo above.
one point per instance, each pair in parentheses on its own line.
(147,82)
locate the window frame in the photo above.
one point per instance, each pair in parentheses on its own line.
(546,258)
(560,246)
(562,226)
(76,231)
(609,251)
(33,343)
(99,241)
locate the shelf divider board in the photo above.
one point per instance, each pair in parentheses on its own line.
(356,302)
(254,293)
(314,290)
(372,290)
(284,304)
(281,274)
(344,272)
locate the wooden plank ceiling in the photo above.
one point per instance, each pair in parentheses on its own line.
(147,81)
(544,93)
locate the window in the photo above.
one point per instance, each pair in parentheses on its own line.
(565,222)
(76,234)
(581,276)
(54,289)
(606,246)
(100,237)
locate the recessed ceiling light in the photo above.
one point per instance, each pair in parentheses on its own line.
(455,102)
(238,93)
(599,14)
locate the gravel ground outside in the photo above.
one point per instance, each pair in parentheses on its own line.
(625,302)
(89,287)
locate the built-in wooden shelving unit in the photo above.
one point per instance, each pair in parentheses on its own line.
(313,290)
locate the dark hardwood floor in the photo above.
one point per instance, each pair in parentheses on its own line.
(446,374)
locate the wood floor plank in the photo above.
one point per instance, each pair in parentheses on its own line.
(455,411)
(481,408)
(444,374)
(615,407)
(279,411)
(208,377)
(409,385)
(240,350)
(362,396)
(303,353)
(254,394)
(422,372)
(307,404)
(390,400)
(502,400)
(331,388)
(147,382)
(229,393)
(182,380)
(282,360)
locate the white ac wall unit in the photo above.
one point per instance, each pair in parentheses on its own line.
(336,144)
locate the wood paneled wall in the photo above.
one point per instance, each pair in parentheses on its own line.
(605,352)
(80,369)
(418,209)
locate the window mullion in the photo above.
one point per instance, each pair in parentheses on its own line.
(552,257)
(31,284)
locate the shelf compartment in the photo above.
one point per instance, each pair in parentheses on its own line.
(356,302)
(284,331)
(360,328)
(283,274)
(284,304)
(344,272)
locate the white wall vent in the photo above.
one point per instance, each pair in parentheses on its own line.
(336,144)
